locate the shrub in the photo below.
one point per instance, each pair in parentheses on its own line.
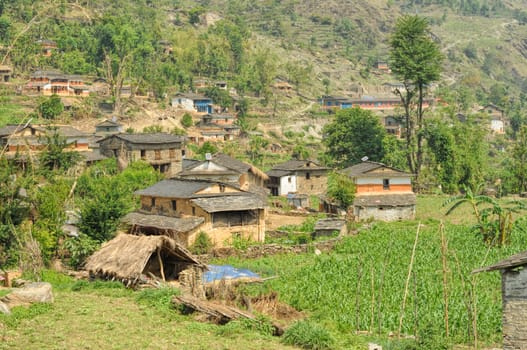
(308,335)
(202,244)
(152,129)
(80,249)
(186,120)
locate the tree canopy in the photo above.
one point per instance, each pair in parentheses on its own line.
(353,134)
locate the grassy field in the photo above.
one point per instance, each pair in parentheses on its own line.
(355,293)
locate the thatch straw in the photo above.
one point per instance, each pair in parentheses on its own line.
(126,256)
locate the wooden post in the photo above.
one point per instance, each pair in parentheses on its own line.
(410,267)
(161,269)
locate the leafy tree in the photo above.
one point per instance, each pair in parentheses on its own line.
(441,144)
(257,146)
(341,188)
(152,129)
(415,59)
(13,210)
(219,96)
(51,107)
(519,160)
(186,120)
(353,134)
(207,147)
(56,156)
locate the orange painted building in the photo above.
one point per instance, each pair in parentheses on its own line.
(382,192)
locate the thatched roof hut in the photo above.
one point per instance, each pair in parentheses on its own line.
(130,258)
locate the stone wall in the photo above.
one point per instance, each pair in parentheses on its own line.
(385,213)
(317,183)
(514,289)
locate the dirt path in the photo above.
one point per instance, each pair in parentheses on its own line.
(275,220)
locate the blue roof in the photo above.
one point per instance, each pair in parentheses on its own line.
(227,272)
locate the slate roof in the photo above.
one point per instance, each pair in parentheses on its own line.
(363,170)
(278,173)
(329,224)
(511,262)
(184,188)
(230,203)
(9,129)
(293,165)
(157,138)
(387,200)
(193,96)
(226,161)
(108,122)
(190,163)
(179,225)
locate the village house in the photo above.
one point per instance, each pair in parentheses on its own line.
(297,176)
(161,150)
(47,47)
(108,127)
(55,83)
(223,168)
(514,299)
(5,73)
(217,127)
(498,121)
(192,102)
(382,192)
(19,139)
(393,126)
(182,208)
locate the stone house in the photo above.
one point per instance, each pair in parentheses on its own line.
(297,176)
(47,47)
(382,192)
(192,102)
(18,139)
(161,150)
(514,299)
(218,127)
(5,73)
(182,208)
(108,127)
(498,121)
(223,168)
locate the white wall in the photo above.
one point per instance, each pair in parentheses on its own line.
(287,185)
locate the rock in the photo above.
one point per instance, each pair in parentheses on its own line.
(4,309)
(36,292)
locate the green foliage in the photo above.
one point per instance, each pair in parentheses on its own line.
(353,134)
(202,245)
(341,189)
(219,96)
(518,166)
(309,335)
(51,107)
(80,248)
(14,209)
(207,147)
(495,222)
(186,120)
(152,129)
(108,195)
(257,145)
(21,313)
(56,156)
(416,60)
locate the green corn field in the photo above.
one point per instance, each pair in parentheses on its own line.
(362,285)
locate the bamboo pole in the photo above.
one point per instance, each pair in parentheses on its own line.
(372,300)
(410,267)
(444,251)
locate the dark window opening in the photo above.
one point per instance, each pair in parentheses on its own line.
(143,153)
(386,184)
(153,202)
(235,218)
(308,176)
(174,205)
(194,211)
(222,188)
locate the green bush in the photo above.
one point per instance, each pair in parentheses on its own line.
(202,244)
(308,335)
(80,249)
(186,120)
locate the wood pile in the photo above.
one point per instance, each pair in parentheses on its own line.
(217,313)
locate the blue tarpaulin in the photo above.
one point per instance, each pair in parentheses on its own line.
(228,272)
